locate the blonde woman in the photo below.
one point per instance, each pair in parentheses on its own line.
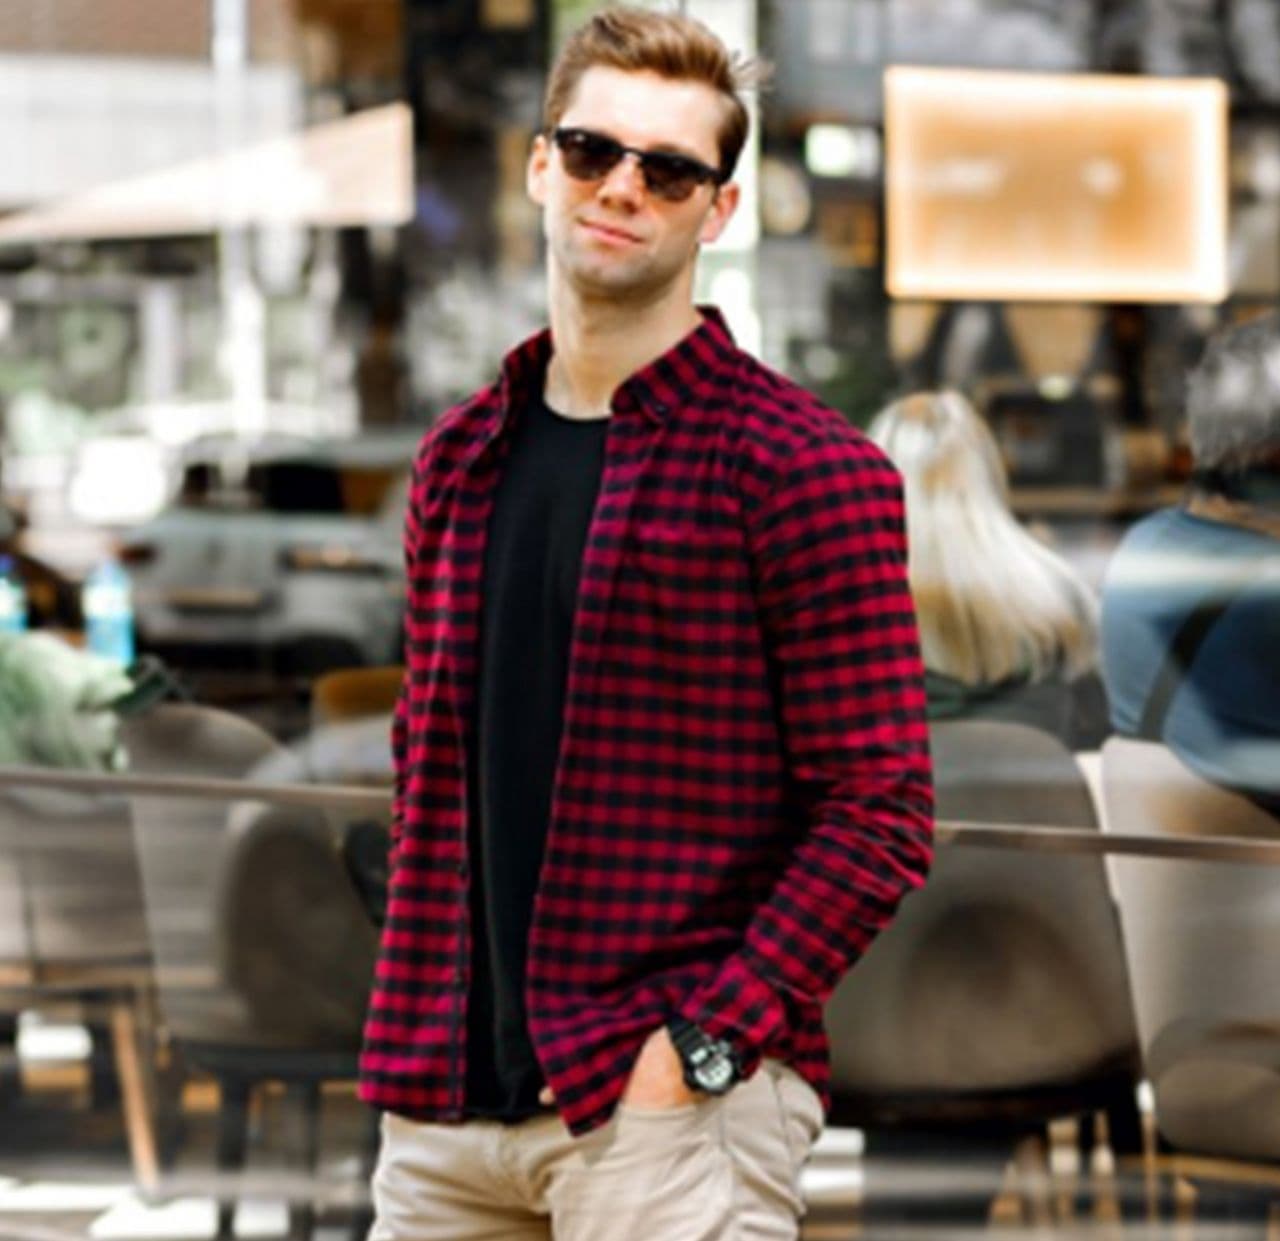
(1007,628)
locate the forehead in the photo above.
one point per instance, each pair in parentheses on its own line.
(648,111)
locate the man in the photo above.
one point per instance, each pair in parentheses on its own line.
(661,747)
(1191,603)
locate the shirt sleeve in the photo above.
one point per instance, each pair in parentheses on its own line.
(829,548)
(400,719)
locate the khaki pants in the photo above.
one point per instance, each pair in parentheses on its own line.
(723,1169)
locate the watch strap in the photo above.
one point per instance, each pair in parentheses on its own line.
(685,1036)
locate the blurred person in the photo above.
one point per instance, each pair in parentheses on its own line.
(58,704)
(1008,629)
(662,765)
(1191,599)
(53,601)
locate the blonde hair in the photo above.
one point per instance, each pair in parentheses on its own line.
(668,44)
(992,601)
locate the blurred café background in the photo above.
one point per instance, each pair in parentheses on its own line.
(250,249)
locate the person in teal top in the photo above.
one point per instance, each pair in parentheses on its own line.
(1191,600)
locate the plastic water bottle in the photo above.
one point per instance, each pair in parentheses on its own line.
(13,598)
(107,603)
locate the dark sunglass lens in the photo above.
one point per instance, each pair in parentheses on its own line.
(671,177)
(588,156)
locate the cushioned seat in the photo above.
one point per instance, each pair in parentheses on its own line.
(1000,989)
(72,926)
(264,951)
(1201,941)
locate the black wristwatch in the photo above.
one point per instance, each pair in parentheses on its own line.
(710,1064)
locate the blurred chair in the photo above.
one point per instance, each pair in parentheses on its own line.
(264,953)
(350,737)
(348,694)
(1201,940)
(998,995)
(72,927)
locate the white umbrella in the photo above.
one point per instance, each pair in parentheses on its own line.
(354,171)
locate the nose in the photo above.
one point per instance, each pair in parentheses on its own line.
(625,180)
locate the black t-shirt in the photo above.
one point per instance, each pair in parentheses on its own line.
(533,559)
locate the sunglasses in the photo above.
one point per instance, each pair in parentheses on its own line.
(589,156)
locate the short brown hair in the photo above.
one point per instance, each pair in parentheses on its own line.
(668,44)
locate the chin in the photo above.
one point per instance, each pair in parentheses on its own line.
(642,282)
(612,283)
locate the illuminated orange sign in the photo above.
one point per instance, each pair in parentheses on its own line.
(1019,186)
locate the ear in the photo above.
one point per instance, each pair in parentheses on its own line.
(723,205)
(535,173)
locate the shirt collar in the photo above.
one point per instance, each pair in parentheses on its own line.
(656,389)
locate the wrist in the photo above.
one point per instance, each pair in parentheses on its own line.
(738,1005)
(709,1065)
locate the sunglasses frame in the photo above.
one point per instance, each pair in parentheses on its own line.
(680,166)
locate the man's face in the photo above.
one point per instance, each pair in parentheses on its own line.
(613,237)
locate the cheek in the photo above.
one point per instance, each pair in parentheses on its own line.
(696,230)
(559,194)
(558,210)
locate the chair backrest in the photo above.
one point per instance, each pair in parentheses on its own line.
(17,952)
(295,937)
(219,925)
(1005,973)
(355,693)
(1201,940)
(68,875)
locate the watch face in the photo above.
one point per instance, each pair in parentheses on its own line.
(715,1074)
(709,1064)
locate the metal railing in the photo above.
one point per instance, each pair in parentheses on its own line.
(360,799)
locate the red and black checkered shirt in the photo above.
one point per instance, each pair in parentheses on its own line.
(743,792)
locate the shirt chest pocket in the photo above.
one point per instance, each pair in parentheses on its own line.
(692,577)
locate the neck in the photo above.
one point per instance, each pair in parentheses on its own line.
(599,343)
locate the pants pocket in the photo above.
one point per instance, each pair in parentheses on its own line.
(646,1175)
(800,1110)
(770,1128)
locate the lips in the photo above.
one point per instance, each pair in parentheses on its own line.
(610,232)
